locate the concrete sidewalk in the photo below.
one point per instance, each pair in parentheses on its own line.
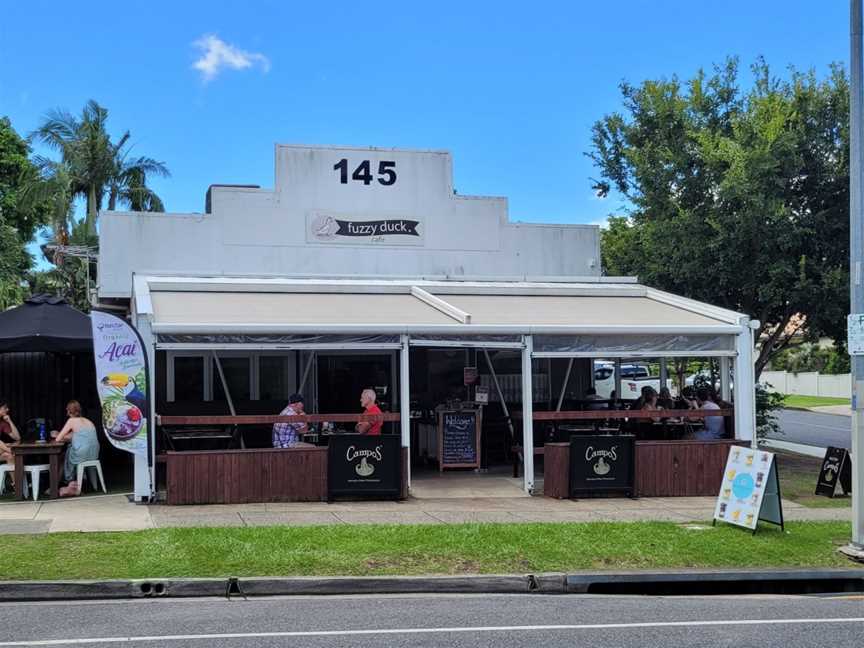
(116,513)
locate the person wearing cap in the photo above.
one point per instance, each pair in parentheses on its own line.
(288,435)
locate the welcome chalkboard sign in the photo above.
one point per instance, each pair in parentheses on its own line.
(836,469)
(459,439)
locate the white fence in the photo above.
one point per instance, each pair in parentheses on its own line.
(808,383)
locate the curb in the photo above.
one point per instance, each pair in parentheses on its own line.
(697,582)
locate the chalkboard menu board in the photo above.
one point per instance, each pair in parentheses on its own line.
(459,439)
(364,465)
(602,464)
(836,469)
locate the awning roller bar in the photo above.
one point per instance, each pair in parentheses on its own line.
(444,330)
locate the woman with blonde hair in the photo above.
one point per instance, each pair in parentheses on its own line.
(80,433)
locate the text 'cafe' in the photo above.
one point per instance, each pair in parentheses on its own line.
(431,340)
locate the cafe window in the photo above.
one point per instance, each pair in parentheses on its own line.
(238,377)
(276,377)
(250,376)
(188,378)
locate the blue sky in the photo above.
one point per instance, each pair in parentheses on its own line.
(511,89)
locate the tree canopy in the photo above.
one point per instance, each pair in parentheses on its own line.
(97,167)
(19,218)
(737,197)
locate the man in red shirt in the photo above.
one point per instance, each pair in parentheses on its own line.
(367,400)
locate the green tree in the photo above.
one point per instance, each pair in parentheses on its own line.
(19,218)
(735,197)
(97,166)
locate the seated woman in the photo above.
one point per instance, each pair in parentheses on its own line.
(650,401)
(83,446)
(665,399)
(9,434)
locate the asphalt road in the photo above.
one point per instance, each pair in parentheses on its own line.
(457,621)
(810,428)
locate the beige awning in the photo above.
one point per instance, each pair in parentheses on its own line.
(191,311)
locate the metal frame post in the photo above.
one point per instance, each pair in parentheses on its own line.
(527,416)
(405,400)
(856,256)
(745,385)
(725,391)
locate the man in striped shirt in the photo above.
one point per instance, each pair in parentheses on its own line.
(288,435)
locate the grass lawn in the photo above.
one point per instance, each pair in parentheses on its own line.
(418,549)
(794,400)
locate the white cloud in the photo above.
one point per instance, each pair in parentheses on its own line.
(602,222)
(217,55)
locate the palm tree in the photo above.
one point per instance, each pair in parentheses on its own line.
(96,165)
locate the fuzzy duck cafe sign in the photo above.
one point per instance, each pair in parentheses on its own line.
(326,228)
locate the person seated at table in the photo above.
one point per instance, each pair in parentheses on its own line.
(714,427)
(9,434)
(290,435)
(593,402)
(687,399)
(367,401)
(649,401)
(664,400)
(80,433)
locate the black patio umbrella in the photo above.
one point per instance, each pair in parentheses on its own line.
(45,323)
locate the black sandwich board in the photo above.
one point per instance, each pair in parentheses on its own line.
(364,466)
(459,439)
(602,464)
(836,469)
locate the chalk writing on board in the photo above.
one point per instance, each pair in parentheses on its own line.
(459,438)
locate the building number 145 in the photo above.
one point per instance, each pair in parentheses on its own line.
(386,172)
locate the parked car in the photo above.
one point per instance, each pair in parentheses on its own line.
(633,378)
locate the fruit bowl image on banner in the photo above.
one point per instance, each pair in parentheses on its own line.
(123,420)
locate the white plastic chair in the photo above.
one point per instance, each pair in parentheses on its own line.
(35,471)
(81,472)
(7,470)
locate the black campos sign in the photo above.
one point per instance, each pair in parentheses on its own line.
(836,469)
(601,464)
(359,466)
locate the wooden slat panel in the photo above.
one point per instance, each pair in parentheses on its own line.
(262,419)
(680,468)
(556,470)
(577,415)
(233,477)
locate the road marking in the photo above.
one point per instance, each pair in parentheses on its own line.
(413,631)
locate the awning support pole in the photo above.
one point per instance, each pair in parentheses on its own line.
(528,415)
(227,393)
(725,392)
(664,374)
(745,387)
(564,386)
(500,395)
(405,401)
(306,372)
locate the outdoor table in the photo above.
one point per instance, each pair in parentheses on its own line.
(54,452)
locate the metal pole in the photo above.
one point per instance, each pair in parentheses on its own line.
(500,395)
(405,402)
(528,416)
(856,246)
(564,386)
